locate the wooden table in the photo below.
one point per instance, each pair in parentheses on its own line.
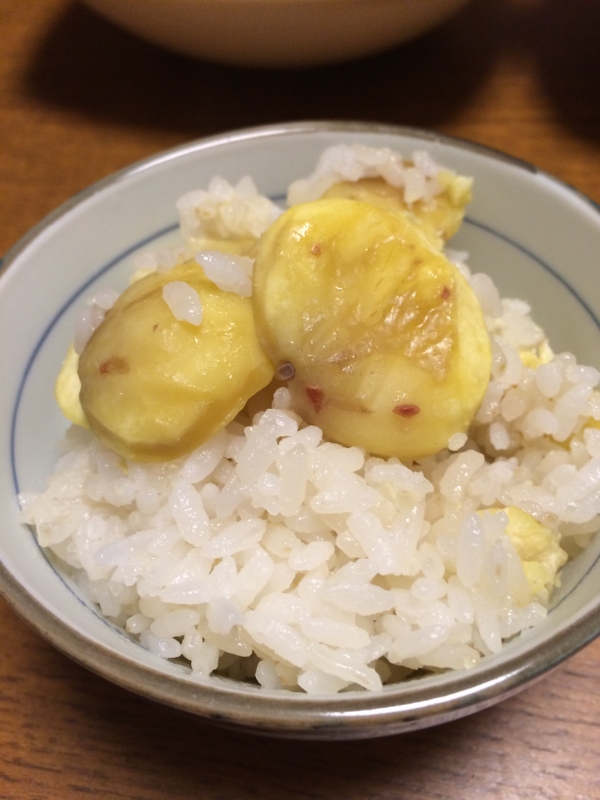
(78,100)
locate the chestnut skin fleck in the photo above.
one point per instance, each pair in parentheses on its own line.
(407,410)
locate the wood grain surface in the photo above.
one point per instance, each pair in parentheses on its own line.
(80,99)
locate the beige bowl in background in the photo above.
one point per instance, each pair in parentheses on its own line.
(277,33)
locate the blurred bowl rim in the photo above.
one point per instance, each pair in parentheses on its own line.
(273,33)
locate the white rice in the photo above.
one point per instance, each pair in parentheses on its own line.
(229,273)
(419,179)
(269,554)
(184,301)
(224,211)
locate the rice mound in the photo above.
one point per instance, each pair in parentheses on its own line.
(270,554)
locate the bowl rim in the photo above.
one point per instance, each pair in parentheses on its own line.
(275,130)
(397,708)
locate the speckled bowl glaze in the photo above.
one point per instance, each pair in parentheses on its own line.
(277,33)
(539,240)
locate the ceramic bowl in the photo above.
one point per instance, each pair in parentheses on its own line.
(275,33)
(539,240)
